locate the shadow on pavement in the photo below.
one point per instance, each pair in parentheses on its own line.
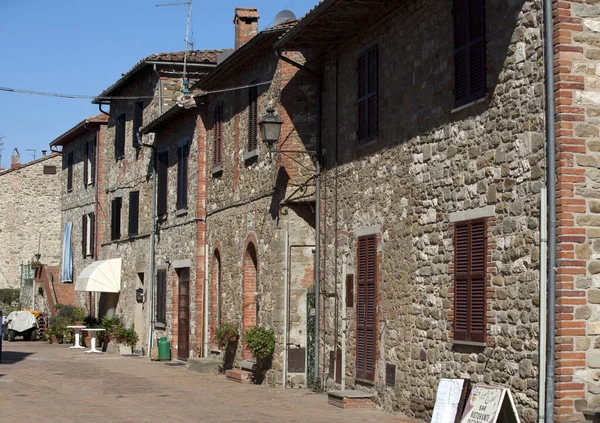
(12,357)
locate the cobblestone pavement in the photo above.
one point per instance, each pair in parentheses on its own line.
(40,382)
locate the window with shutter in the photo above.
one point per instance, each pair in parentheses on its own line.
(120,137)
(218,136)
(161,296)
(162,182)
(86,164)
(470,257)
(138,114)
(91,234)
(117,205)
(366,308)
(70,171)
(368,114)
(182,176)
(469,51)
(252,118)
(134,211)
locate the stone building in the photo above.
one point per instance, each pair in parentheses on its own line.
(152,86)
(260,206)
(82,193)
(434,169)
(25,190)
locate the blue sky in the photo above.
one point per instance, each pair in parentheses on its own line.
(83,46)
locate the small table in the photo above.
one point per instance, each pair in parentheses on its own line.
(93,334)
(77,330)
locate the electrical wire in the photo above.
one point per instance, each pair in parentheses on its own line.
(92,97)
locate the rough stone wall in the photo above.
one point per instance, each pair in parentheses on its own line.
(80,200)
(244,199)
(24,192)
(577,65)
(429,163)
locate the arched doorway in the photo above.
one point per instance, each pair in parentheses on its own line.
(249,291)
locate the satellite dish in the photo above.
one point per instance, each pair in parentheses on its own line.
(226,53)
(283,17)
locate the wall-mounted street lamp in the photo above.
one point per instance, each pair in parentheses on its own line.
(270,131)
(139,295)
(270,128)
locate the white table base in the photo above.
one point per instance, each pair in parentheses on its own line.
(77,343)
(93,349)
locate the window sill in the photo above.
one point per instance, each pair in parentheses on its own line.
(181,212)
(469,344)
(251,155)
(365,381)
(161,218)
(217,171)
(466,106)
(160,326)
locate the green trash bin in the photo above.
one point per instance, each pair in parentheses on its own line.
(164,349)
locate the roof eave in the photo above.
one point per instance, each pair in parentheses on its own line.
(75,132)
(308,19)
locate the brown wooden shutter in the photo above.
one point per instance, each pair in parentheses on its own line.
(182,176)
(92,223)
(120,136)
(368,114)
(252,118)
(86,152)
(469,51)
(470,256)
(218,135)
(366,308)
(162,175)
(70,171)
(161,296)
(117,205)
(84,224)
(134,210)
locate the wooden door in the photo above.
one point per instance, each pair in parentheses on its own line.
(366,308)
(183,332)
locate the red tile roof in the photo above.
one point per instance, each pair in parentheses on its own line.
(78,130)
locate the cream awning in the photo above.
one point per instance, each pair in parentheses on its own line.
(100,276)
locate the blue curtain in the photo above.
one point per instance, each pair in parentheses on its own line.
(67,255)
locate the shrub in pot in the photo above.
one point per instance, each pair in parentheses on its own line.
(226,336)
(261,343)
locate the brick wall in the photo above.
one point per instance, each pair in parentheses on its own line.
(577,90)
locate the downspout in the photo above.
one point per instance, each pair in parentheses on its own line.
(317,76)
(286,281)
(543,302)
(152,250)
(344,319)
(102,111)
(551,186)
(206,305)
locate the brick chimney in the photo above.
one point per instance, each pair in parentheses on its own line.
(246,25)
(15,159)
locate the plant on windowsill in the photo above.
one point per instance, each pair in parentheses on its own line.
(261,343)
(226,336)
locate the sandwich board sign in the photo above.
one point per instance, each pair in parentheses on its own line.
(490,404)
(449,400)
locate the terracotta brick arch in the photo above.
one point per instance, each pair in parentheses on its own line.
(249,288)
(216,275)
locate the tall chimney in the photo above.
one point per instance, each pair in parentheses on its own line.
(15,159)
(246,25)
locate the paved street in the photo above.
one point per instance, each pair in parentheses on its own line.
(40,382)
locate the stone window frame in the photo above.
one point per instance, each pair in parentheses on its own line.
(88,234)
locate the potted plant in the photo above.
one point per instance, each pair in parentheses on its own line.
(226,336)
(261,342)
(79,316)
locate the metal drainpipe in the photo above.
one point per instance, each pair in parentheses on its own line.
(152,250)
(551,186)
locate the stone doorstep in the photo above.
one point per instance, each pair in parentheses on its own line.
(350,399)
(248,365)
(204,365)
(239,376)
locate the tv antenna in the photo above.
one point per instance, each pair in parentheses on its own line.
(184,82)
(31,154)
